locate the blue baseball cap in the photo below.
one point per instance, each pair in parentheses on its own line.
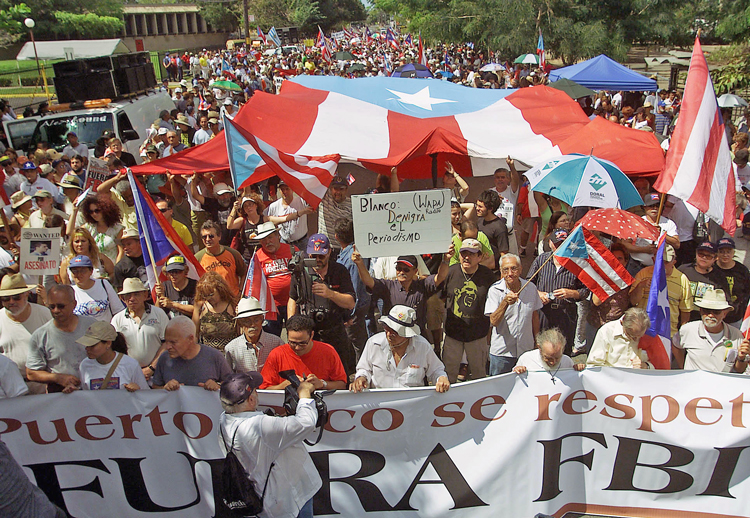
(28,166)
(318,244)
(81,261)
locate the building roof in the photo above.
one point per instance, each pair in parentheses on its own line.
(160,8)
(73,49)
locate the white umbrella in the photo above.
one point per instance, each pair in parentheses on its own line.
(492,67)
(731,101)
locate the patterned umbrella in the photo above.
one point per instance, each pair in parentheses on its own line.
(619,223)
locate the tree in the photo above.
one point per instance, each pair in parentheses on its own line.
(11,23)
(87,26)
(220,15)
(48,15)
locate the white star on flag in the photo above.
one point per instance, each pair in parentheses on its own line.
(420,99)
(249,151)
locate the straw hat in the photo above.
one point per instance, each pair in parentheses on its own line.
(13,285)
(713,299)
(132,285)
(249,307)
(401,319)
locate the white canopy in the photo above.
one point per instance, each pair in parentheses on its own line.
(73,49)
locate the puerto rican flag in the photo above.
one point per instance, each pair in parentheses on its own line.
(401,122)
(745,326)
(408,40)
(368,35)
(699,164)
(589,260)
(657,341)
(226,69)
(540,51)
(255,160)
(422,58)
(158,238)
(256,285)
(262,36)
(322,42)
(391,39)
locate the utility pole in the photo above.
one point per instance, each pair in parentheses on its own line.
(245,22)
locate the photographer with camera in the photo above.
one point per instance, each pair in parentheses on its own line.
(270,448)
(313,361)
(323,290)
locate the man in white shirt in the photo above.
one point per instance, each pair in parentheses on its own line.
(203,135)
(399,357)
(34,183)
(548,356)
(616,342)
(294,231)
(507,183)
(74,147)
(514,316)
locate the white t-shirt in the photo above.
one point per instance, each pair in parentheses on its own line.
(683,216)
(127,371)
(143,339)
(507,205)
(15,336)
(80,149)
(294,229)
(666,225)
(11,382)
(99,301)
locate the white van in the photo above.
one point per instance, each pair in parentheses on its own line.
(127,118)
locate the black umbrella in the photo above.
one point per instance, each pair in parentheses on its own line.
(357,67)
(573,89)
(344,55)
(412,70)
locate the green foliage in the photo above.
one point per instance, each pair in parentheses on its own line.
(87,26)
(307,14)
(734,73)
(11,19)
(734,22)
(45,14)
(222,16)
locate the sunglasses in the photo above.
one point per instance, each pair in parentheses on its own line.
(402,269)
(208,236)
(96,211)
(14,298)
(164,210)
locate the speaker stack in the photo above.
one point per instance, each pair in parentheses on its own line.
(106,77)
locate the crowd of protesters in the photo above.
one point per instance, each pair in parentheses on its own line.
(346,321)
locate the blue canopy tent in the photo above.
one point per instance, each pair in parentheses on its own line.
(603,73)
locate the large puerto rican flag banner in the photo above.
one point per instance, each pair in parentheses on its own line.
(601,442)
(699,165)
(657,341)
(391,39)
(589,260)
(402,123)
(307,176)
(158,237)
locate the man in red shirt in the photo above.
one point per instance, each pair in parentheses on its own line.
(312,361)
(274,258)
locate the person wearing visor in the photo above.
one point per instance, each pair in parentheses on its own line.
(399,357)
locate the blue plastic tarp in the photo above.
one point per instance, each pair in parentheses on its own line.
(603,73)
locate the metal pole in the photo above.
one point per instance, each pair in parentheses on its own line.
(39,70)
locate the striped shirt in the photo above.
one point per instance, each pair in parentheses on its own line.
(552,277)
(242,356)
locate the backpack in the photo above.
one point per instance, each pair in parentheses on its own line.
(746,225)
(237,490)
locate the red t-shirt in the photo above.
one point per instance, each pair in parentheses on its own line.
(276,270)
(322,360)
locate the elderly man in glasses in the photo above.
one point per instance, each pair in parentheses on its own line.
(514,316)
(399,357)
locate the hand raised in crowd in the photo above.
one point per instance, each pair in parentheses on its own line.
(450,253)
(211,385)
(356,256)
(449,168)
(744,352)
(511,163)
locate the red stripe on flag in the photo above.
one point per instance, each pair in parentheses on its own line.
(584,276)
(655,347)
(702,193)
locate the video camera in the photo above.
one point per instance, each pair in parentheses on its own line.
(291,399)
(310,305)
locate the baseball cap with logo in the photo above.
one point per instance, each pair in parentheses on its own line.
(81,261)
(221,188)
(238,387)
(130,233)
(471,245)
(70,181)
(337,181)
(725,242)
(42,193)
(650,199)
(28,166)
(163,131)
(558,236)
(707,246)
(176,263)
(318,244)
(407,260)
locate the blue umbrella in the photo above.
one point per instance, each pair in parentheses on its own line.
(584,181)
(445,73)
(412,70)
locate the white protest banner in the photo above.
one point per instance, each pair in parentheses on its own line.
(401,223)
(613,442)
(96,173)
(40,251)
(338,35)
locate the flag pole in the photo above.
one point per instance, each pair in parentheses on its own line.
(662,197)
(551,255)
(144,227)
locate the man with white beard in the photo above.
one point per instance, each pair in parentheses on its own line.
(18,319)
(709,343)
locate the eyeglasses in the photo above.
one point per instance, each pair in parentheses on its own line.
(14,298)
(57,306)
(402,269)
(205,237)
(298,344)
(510,269)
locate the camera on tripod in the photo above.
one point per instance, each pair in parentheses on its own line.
(304,269)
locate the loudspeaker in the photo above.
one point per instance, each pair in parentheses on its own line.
(108,77)
(70,68)
(96,65)
(94,85)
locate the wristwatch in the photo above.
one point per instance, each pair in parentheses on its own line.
(325,384)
